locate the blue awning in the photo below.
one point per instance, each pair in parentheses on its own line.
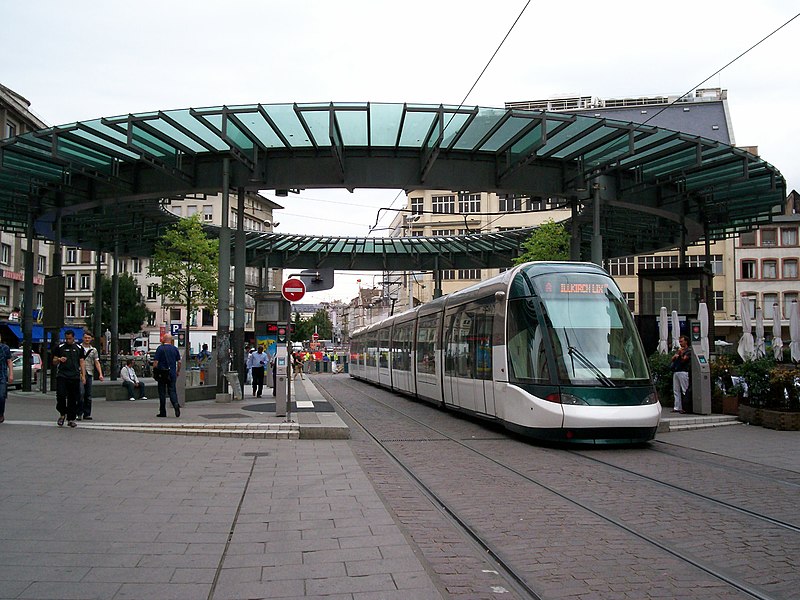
(38,332)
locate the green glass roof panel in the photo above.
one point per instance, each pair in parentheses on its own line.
(507,130)
(384,123)
(185,119)
(415,128)
(237,136)
(319,124)
(353,125)
(453,122)
(568,133)
(168,130)
(529,142)
(261,129)
(477,129)
(585,140)
(114,149)
(285,118)
(69,149)
(149,143)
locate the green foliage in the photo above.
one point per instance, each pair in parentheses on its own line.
(304,328)
(550,241)
(132,309)
(756,375)
(662,376)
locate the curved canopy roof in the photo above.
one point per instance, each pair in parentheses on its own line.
(106,176)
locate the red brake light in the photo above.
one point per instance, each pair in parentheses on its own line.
(554,397)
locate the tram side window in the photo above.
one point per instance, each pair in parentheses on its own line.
(401,347)
(426,345)
(451,350)
(383,348)
(480,343)
(527,359)
(370,347)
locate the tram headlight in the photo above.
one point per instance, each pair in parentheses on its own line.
(651,398)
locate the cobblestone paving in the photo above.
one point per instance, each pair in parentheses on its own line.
(568,552)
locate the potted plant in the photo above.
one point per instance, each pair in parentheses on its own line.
(724,395)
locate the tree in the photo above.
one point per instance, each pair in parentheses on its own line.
(321,323)
(550,241)
(187,260)
(132,311)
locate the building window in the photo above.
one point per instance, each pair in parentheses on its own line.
(208,213)
(748,238)
(152,291)
(70,308)
(448,274)
(663,261)
(719,301)
(769,269)
(136,264)
(417,206)
(11,129)
(85,281)
(86,257)
(769,237)
(122,266)
(443,204)
(788,299)
(42,264)
(71,281)
(39,299)
(72,256)
(151,319)
(4,301)
(191,209)
(788,236)
(248,319)
(84,308)
(789,268)
(750,302)
(177,211)
(769,301)
(622,266)
(699,260)
(748,269)
(174,314)
(417,233)
(630,299)
(5,254)
(207,318)
(510,203)
(442,232)
(469,273)
(469,203)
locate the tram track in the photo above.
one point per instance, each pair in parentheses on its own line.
(717,572)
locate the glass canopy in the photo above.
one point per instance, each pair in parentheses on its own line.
(655,183)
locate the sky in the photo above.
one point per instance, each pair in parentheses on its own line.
(85,59)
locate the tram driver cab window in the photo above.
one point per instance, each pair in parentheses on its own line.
(527,359)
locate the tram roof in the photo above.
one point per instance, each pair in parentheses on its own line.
(109,177)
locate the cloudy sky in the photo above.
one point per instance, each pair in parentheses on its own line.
(85,59)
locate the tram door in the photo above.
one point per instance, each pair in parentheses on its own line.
(468,372)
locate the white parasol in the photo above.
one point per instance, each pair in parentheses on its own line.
(702,316)
(676,330)
(746,343)
(777,342)
(663,331)
(794,331)
(760,350)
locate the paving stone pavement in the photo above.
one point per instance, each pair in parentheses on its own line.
(89,513)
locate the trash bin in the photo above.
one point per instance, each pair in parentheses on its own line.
(326,366)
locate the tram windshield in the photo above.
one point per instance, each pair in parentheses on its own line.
(588,325)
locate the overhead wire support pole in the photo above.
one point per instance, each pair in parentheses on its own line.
(238,289)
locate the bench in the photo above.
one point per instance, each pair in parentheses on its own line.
(118,391)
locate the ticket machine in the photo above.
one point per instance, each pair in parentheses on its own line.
(700,374)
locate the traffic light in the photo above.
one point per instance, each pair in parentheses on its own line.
(281,333)
(181,339)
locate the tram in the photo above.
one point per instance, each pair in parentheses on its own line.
(547,349)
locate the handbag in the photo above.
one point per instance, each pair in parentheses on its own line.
(161,375)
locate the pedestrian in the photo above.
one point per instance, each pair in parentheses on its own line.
(71,372)
(6,377)
(93,370)
(167,357)
(256,362)
(681,362)
(131,381)
(297,366)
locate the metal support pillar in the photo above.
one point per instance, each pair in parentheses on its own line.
(238,290)
(437,278)
(27,299)
(223,288)
(54,334)
(98,298)
(575,231)
(597,238)
(115,367)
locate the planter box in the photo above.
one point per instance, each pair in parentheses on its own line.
(730,405)
(780,420)
(748,414)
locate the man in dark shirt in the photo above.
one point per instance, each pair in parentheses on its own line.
(68,358)
(168,357)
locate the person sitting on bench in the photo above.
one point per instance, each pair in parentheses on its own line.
(131,381)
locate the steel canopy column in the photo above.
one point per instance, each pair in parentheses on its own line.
(27,299)
(597,238)
(54,334)
(98,297)
(575,231)
(238,291)
(437,278)
(223,288)
(115,367)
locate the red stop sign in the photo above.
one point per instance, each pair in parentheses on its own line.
(293,290)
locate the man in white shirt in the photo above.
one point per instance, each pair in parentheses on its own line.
(131,381)
(93,370)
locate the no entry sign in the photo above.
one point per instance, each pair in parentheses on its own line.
(293,290)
